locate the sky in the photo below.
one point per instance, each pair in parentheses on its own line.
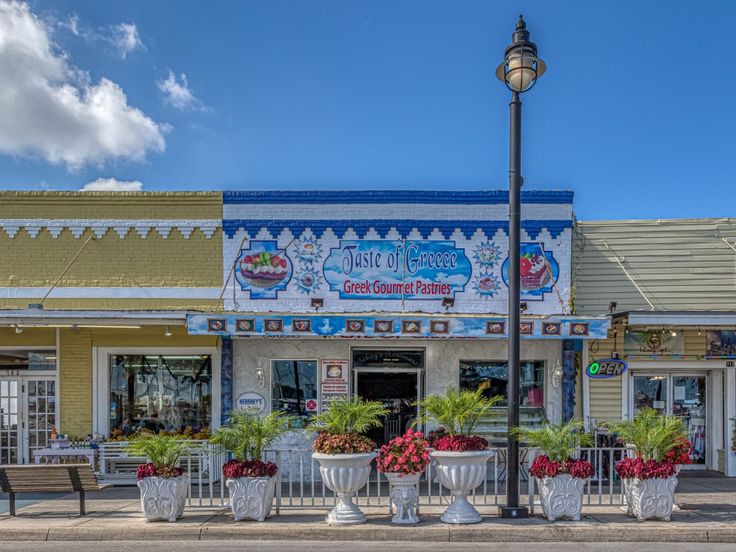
(635,113)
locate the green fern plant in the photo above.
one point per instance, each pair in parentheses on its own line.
(558,441)
(650,433)
(457,411)
(161,450)
(345,416)
(247,434)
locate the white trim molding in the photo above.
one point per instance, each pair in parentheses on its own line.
(122,227)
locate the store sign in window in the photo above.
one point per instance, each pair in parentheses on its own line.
(607,368)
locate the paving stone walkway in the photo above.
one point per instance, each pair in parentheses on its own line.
(707,514)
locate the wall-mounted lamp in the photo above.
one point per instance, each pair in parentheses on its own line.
(612,306)
(448,302)
(523,306)
(673,333)
(557,374)
(318,302)
(18,329)
(260,374)
(167,331)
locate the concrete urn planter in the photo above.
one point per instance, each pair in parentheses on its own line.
(461,472)
(650,498)
(163,498)
(345,474)
(251,497)
(561,496)
(404,497)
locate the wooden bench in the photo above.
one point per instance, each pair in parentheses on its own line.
(49,478)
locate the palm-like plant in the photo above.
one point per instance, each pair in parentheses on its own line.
(161,450)
(348,416)
(558,441)
(457,411)
(247,434)
(650,433)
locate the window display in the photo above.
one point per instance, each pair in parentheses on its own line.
(294,388)
(160,393)
(492,378)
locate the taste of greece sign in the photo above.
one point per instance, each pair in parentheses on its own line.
(397,269)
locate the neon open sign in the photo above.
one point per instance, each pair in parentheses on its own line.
(607,368)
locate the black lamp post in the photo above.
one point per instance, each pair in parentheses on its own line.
(519,71)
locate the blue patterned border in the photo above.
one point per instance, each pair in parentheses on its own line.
(404,227)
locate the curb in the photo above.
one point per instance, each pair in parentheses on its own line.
(429,531)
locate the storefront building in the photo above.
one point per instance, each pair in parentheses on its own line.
(671,289)
(94,292)
(392,296)
(164,311)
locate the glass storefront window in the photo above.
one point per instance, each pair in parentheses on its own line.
(160,392)
(492,378)
(27,360)
(293,383)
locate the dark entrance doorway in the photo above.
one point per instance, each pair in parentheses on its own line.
(394,379)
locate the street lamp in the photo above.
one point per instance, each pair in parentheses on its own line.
(519,71)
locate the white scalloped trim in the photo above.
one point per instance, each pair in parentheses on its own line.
(121,227)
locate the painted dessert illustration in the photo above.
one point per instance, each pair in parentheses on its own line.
(264,269)
(534,271)
(486,283)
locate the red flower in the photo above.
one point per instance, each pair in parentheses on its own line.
(404,455)
(460,443)
(544,467)
(348,443)
(629,468)
(235,469)
(149,470)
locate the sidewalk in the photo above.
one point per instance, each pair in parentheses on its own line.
(708,514)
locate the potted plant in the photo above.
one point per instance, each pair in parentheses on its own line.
(250,481)
(162,483)
(650,476)
(403,461)
(460,456)
(559,475)
(344,454)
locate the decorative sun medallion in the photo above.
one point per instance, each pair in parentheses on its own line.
(307,280)
(308,250)
(487,254)
(486,285)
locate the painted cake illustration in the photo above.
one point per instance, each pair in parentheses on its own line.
(534,271)
(264,269)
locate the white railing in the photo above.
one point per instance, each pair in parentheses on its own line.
(301,484)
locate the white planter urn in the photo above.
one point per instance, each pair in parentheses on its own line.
(561,496)
(461,472)
(251,497)
(345,474)
(650,498)
(404,497)
(163,498)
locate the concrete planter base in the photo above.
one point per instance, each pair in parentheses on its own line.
(461,472)
(650,498)
(251,497)
(561,497)
(404,498)
(163,499)
(345,474)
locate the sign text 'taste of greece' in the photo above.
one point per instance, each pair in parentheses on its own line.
(396,269)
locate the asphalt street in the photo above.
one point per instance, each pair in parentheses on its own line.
(311,546)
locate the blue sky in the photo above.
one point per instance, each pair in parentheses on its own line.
(634,114)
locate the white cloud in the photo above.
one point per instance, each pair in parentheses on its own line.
(177,93)
(71,24)
(125,38)
(112,185)
(51,109)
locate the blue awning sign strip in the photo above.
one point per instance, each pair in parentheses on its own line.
(389,326)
